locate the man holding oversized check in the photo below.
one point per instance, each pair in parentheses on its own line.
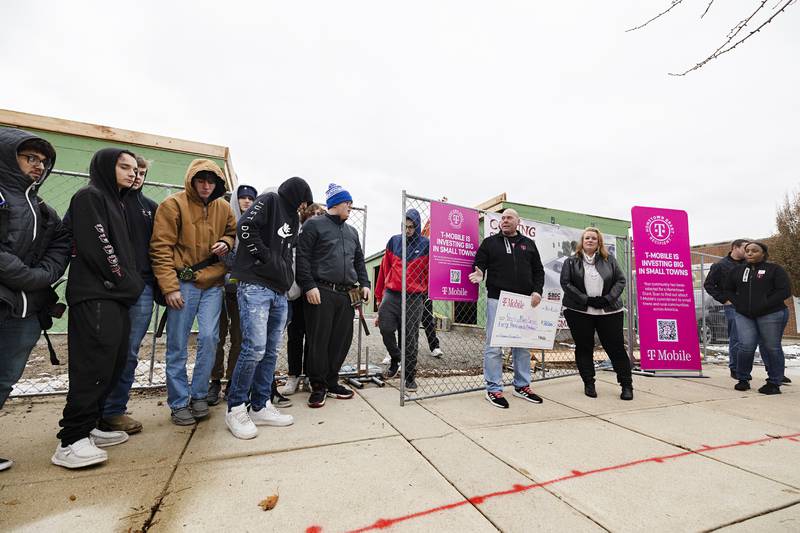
(510,262)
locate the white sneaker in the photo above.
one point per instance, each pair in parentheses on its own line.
(104,439)
(270,416)
(5,464)
(238,421)
(78,454)
(386,360)
(437,352)
(292,383)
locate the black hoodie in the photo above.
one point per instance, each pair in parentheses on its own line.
(140,212)
(34,245)
(267,234)
(103,259)
(757,289)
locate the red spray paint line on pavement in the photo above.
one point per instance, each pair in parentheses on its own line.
(384,523)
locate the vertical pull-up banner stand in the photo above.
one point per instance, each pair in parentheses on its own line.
(668,340)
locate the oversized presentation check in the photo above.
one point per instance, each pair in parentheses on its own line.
(518,325)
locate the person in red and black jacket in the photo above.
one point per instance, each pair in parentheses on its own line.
(388,294)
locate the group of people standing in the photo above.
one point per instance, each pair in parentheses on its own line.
(752,291)
(194,253)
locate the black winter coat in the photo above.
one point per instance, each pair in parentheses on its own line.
(714,284)
(757,290)
(34,244)
(329,250)
(575,296)
(513,265)
(103,257)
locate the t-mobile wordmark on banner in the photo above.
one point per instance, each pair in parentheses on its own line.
(454,243)
(664,291)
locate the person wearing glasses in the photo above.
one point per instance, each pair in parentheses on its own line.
(34,251)
(139,212)
(388,295)
(330,264)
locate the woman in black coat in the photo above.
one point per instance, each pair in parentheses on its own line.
(757,289)
(593,284)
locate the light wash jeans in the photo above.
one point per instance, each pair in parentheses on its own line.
(766,332)
(263,315)
(141,313)
(493,357)
(204,304)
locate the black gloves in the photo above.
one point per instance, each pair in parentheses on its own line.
(598,302)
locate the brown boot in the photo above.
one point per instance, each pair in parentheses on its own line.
(120,423)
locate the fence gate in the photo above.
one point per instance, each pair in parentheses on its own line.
(458,330)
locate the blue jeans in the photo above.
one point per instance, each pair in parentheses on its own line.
(205,304)
(766,332)
(141,313)
(263,315)
(493,357)
(733,336)
(19,336)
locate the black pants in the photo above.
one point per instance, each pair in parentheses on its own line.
(329,333)
(98,347)
(390,322)
(609,330)
(295,332)
(429,324)
(228,322)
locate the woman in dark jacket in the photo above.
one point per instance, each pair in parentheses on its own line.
(757,289)
(593,284)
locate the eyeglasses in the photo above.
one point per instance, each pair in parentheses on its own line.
(35,160)
(410,226)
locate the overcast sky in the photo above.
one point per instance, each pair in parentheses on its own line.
(552,103)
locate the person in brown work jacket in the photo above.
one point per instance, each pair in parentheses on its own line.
(192,229)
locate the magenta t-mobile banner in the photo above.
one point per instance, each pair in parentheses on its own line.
(454,243)
(664,290)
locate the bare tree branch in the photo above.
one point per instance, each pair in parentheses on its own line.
(675,4)
(707,8)
(735,31)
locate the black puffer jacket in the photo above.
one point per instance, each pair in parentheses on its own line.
(103,260)
(757,290)
(34,245)
(575,296)
(267,235)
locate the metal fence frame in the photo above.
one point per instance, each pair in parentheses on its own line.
(546,372)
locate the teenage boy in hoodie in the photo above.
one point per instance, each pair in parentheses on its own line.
(139,211)
(330,263)
(193,229)
(388,295)
(103,284)
(229,313)
(34,251)
(267,234)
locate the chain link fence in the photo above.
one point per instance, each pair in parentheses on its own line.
(451,344)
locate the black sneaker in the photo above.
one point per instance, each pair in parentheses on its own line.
(769,388)
(785,380)
(213,392)
(496,399)
(527,394)
(733,374)
(392,371)
(340,392)
(627,393)
(411,386)
(317,398)
(590,390)
(742,385)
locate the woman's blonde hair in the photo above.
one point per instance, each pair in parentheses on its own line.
(601,247)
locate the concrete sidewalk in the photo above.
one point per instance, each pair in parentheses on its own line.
(685,455)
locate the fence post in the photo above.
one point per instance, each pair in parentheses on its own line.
(403,303)
(703,306)
(153,347)
(629,295)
